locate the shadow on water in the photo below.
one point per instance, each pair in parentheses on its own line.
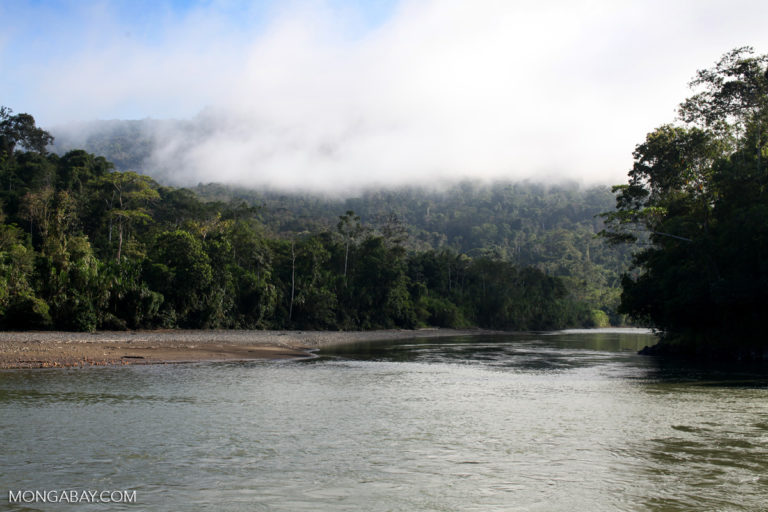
(522,351)
(556,351)
(727,374)
(84,386)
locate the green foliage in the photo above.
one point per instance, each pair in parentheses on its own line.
(599,318)
(181,271)
(697,194)
(126,196)
(20,131)
(315,300)
(441,312)
(19,306)
(131,303)
(550,227)
(26,312)
(85,247)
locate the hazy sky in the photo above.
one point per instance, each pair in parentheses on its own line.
(351,92)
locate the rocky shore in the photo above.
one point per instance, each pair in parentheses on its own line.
(47,349)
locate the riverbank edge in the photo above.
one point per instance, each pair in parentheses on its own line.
(58,349)
(678,349)
(704,348)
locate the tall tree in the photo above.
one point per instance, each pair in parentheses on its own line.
(181,270)
(697,196)
(350,228)
(20,131)
(127,196)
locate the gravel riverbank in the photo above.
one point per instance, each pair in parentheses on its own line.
(47,349)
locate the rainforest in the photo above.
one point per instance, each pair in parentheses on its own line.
(84,246)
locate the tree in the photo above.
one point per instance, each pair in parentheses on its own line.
(315,301)
(379,293)
(78,167)
(350,229)
(20,307)
(130,301)
(126,196)
(256,294)
(53,216)
(181,270)
(697,199)
(20,130)
(733,94)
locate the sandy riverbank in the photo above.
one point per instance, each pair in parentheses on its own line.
(67,349)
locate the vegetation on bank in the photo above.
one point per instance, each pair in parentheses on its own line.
(552,228)
(697,198)
(85,247)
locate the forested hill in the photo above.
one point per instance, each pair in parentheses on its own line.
(85,246)
(549,227)
(127,144)
(552,228)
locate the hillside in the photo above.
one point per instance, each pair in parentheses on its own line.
(551,228)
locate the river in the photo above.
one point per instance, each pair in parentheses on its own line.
(573,420)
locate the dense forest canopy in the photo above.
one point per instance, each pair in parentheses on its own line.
(698,197)
(84,246)
(550,227)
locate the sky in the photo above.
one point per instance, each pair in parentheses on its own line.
(327,94)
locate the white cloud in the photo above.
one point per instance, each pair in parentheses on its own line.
(443,89)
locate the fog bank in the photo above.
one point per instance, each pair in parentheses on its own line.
(438,90)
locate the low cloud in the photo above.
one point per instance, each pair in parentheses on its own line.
(440,90)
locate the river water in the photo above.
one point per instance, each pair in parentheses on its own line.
(533,422)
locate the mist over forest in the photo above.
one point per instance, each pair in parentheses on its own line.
(86,245)
(552,226)
(220,146)
(433,137)
(408,254)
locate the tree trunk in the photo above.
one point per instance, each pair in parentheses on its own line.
(119,241)
(293,281)
(346,257)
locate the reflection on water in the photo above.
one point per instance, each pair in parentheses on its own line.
(560,421)
(545,351)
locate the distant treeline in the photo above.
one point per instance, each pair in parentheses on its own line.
(552,228)
(84,247)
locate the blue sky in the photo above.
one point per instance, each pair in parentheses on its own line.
(35,34)
(319,93)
